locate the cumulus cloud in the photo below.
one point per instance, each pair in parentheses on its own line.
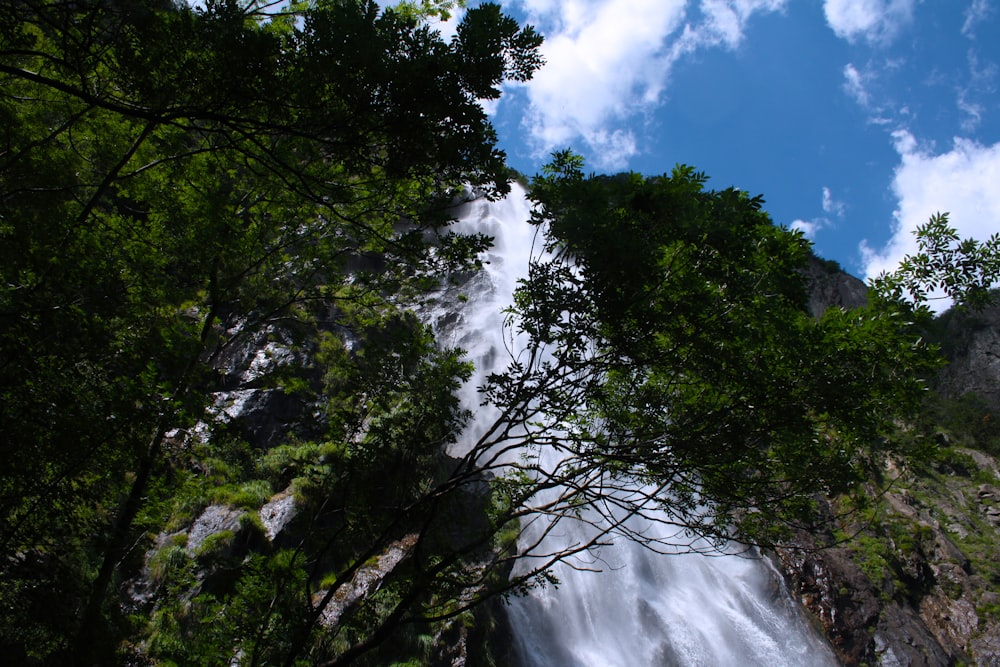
(608,64)
(601,63)
(961,181)
(876,21)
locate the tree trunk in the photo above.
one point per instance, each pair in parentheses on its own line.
(88,644)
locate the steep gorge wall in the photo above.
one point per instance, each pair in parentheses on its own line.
(971,343)
(829,286)
(915,580)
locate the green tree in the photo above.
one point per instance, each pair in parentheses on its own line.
(176,182)
(171,181)
(441,9)
(963,270)
(672,370)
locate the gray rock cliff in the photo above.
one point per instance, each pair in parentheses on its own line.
(918,583)
(829,286)
(971,343)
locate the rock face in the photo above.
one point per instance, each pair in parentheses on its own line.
(261,413)
(829,286)
(971,343)
(894,602)
(365,581)
(252,404)
(213,520)
(918,585)
(835,590)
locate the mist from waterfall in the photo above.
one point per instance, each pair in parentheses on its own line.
(622,604)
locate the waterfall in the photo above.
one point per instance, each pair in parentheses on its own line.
(642,607)
(646,608)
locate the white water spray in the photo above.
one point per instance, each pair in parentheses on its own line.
(643,608)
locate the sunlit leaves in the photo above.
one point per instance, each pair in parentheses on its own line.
(427,9)
(945,266)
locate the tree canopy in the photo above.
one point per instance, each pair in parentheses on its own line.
(174,180)
(183,188)
(673,365)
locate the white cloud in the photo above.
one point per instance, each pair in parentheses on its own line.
(809,228)
(832,206)
(614,148)
(962,182)
(978,11)
(856,85)
(725,20)
(599,65)
(982,82)
(972,112)
(868,89)
(877,21)
(608,63)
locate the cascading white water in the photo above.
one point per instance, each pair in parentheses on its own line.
(470,316)
(642,608)
(647,608)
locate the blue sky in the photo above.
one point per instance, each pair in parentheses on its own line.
(855,119)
